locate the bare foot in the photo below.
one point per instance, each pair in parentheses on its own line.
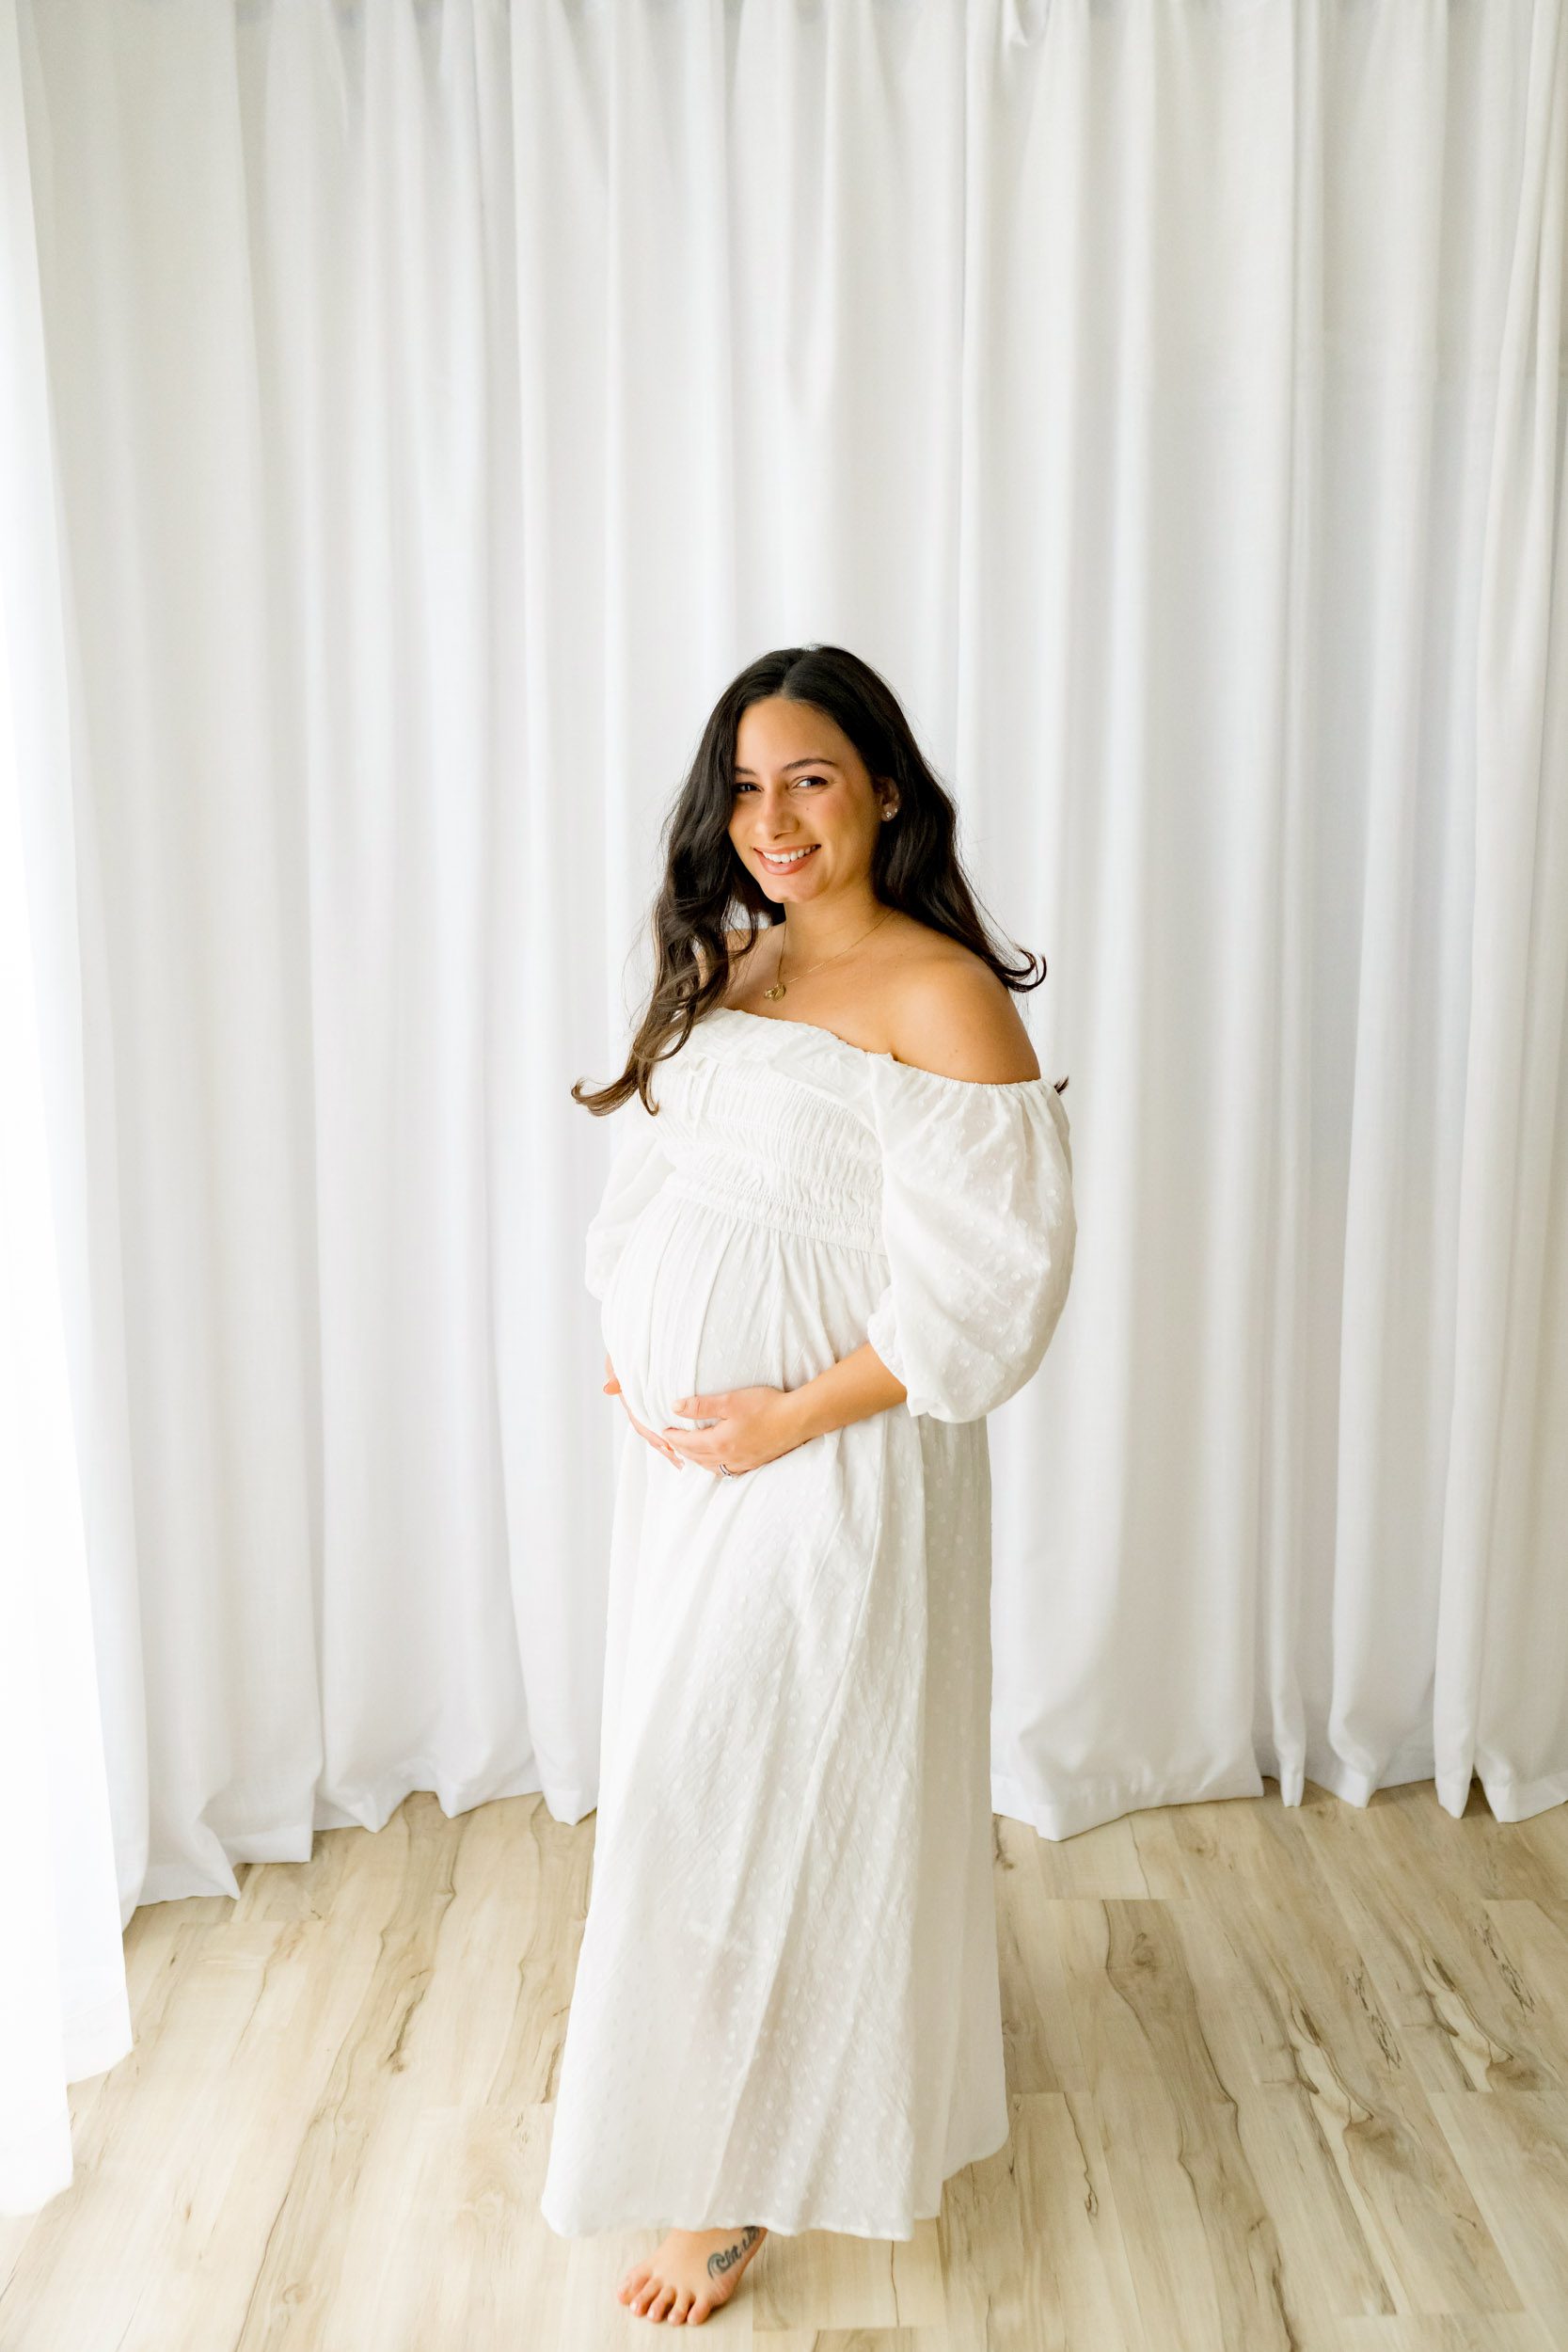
(691,2273)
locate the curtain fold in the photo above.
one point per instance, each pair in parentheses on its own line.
(1505,1517)
(446,399)
(64,2010)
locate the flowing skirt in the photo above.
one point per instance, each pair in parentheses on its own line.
(786,2009)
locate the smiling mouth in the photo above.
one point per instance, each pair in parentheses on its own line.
(787,864)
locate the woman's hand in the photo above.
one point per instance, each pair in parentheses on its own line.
(613,1388)
(751,1426)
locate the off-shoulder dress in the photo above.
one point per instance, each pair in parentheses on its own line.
(787,2008)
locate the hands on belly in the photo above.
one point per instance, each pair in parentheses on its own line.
(749,1426)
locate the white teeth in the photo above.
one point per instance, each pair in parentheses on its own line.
(787,857)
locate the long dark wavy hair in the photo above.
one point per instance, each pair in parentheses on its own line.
(914,865)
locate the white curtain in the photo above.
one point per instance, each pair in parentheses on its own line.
(63,2011)
(1167,395)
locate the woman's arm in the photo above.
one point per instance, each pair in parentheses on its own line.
(859,1385)
(754,1426)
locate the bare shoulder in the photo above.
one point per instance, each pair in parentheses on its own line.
(956,1019)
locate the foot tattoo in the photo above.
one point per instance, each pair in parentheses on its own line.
(692,2273)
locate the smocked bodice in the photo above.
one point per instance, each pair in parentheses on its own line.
(783,1143)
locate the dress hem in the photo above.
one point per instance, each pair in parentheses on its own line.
(796,2228)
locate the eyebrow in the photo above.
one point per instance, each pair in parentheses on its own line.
(795,763)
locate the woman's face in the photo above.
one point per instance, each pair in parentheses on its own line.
(805,813)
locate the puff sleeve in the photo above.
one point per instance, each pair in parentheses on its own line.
(637,1170)
(979,1230)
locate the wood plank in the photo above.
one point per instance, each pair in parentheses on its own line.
(1291,2077)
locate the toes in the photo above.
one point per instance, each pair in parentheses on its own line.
(677,2314)
(699,2311)
(662,2303)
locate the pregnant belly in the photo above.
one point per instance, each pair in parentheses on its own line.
(701,1301)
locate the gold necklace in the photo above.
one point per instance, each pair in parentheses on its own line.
(778,987)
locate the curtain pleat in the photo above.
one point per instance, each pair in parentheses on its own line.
(64,2009)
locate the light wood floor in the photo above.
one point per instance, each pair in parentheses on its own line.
(1284,2080)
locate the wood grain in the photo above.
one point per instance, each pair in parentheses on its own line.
(1291,2077)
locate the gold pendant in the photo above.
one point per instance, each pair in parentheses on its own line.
(777,989)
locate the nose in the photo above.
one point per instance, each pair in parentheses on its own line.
(777,821)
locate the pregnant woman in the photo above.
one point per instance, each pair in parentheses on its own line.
(838,1232)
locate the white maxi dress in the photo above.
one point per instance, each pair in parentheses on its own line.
(787,2008)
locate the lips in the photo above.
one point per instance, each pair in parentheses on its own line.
(790,862)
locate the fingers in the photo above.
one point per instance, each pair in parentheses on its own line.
(651,1435)
(699,1445)
(694,1407)
(701,1455)
(658,1445)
